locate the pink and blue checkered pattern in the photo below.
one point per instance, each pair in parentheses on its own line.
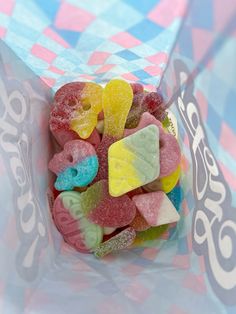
(62,41)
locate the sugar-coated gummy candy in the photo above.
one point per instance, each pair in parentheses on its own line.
(75,110)
(75,228)
(175,197)
(151,102)
(103,209)
(150,234)
(120,241)
(119,195)
(170,154)
(116,102)
(102,153)
(165,184)
(156,208)
(134,161)
(76,165)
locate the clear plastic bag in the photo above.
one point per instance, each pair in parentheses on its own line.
(191,272)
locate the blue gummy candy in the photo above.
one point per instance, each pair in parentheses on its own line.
(81,174)
(175,197)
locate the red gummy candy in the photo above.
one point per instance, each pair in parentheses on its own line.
(152,102)
(102,154)
(105,210)
(73,153)
(68,226)
(137,88)
(66,102)
(170,154)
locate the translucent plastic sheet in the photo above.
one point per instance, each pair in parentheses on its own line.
(194,270)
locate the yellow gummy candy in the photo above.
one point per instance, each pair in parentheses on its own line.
(133,161)
(116,102)
(85,119)
(166,184)
(119,167)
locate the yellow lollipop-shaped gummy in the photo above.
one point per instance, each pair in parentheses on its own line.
(116,102)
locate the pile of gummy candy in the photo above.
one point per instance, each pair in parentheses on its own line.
(116,164)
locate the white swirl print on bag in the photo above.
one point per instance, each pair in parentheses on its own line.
(16,149)
(214,219)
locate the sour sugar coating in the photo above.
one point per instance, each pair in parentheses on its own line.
(86,115)
(170,154)
(135,112)
(151,102)
(134,161)
(119,242)
(64,105)
(75,166)
(175,196)
(165,184)
(102,153)
(156,208)
(59,123)
(76,230)
(150,234)
(117,100)
(103,209)
(76,106)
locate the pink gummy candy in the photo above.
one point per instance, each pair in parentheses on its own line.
(73,152)
(63,134)
(105,210)
(68,226)
(153,102)
(69,93)
(156,208)
(66,102)
(102,153)
(170,154)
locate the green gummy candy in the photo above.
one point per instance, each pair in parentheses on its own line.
(150,234)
